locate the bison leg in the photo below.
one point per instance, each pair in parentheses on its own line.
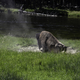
(44,45)
(39,42)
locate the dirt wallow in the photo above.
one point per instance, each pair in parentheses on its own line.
(29,48)
(36,49)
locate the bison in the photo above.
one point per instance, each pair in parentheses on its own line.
(47,42)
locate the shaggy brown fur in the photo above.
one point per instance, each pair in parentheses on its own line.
(47,42)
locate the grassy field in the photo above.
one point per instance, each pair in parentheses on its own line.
(73,14)
(36,65)
(12,43)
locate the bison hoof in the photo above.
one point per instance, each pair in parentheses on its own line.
(41,49)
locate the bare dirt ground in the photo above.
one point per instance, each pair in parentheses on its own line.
(36,49)
(71,50)
(29,48)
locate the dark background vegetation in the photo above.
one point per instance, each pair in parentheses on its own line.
(33,4)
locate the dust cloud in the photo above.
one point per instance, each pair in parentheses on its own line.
(17,23)
(71,50)
(21,26)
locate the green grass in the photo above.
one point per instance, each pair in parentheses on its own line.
(11,9)
(38,66)
(74,43)
(30,10)
(12,43)
(35,65)
(73,14)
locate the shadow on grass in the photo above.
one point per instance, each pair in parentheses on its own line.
(10,76)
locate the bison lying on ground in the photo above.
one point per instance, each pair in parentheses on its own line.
(47,43)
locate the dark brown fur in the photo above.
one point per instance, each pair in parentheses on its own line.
(47,42)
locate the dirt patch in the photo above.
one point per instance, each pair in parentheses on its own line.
(36,49)
(29,48)
(71,50)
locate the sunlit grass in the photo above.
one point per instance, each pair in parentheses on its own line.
(74,14)
(71,14)
(74,43)
(30,10)
(11,42)
(38,66)
(13,9)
